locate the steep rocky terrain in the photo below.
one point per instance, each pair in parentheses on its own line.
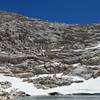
(30,47)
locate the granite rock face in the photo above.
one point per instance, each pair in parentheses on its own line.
(31,47)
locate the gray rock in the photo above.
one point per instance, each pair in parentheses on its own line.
(51,82)
(37,71)
(96,73)
(91,61)
(5,85)
(83,71)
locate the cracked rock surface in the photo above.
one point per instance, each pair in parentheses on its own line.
(30,47)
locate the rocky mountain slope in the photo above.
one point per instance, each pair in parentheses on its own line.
(30,47)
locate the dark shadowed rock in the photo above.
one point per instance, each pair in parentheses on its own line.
(55,94)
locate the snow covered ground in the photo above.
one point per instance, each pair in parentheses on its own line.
(88,86)
(18,84)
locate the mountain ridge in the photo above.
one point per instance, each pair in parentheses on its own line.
(31,47)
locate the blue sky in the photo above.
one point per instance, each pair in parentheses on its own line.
(67,11)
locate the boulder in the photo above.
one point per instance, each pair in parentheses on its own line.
(5,85)
(96,73)
(82,71)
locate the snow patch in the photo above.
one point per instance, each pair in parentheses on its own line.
(18,84)
(88,86)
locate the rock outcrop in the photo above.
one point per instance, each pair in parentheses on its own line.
(30,47)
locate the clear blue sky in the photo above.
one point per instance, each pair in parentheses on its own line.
(67,11)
